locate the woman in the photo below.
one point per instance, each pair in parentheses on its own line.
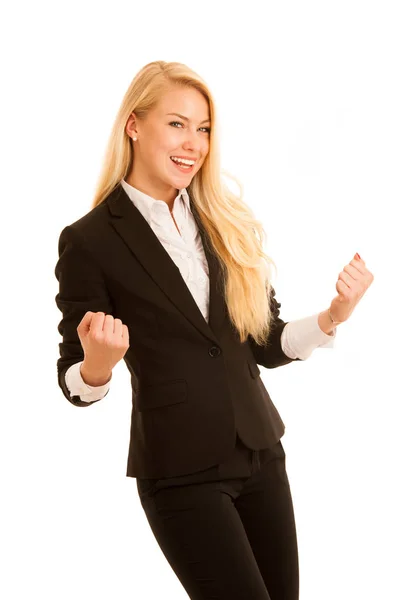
(167,272)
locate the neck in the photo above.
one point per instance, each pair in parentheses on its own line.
(143,183)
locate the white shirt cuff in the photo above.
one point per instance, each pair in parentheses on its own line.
(77,387)
(300,337)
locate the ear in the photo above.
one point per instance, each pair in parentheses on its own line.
(130,126)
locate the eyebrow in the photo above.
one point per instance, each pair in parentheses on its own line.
(186,119)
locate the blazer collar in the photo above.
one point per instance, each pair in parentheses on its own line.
(133,228)
(146,203)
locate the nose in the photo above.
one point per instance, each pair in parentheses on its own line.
(193,141)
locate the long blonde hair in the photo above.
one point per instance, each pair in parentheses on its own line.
(236,236)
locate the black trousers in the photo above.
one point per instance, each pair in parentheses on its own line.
(228,532)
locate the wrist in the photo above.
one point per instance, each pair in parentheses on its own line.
(94,377)
(325,322)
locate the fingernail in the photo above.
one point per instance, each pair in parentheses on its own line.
(358,256)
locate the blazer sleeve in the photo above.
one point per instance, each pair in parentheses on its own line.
(81,288)
(270,355)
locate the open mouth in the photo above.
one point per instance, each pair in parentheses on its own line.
(183,168)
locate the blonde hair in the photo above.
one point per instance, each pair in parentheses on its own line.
(235,235)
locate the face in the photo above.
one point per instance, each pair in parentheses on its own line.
(161,136)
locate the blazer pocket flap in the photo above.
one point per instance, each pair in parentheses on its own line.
(253,368)
(162,394)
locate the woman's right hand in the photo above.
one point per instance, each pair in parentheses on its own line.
(104,340)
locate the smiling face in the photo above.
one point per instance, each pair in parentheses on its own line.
(161,136)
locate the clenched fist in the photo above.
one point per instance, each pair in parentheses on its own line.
(351,286)
(104,340)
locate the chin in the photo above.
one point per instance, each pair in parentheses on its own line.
(182,180)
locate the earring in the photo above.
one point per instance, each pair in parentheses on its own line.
(134,139)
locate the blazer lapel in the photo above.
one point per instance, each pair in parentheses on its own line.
(130,224)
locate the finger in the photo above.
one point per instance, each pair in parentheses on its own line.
(347,279)
(108,326)
(360,266)
(356,274)
(358,258)
(342,289)
(354,288)
(97,322)
(117,328)
(84,325)
(125,333)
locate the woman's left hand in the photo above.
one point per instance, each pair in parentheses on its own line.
(352,284)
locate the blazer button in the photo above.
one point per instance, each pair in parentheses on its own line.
(214,351)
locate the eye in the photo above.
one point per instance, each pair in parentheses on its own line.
(208,129)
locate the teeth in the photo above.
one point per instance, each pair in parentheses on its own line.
(182,160)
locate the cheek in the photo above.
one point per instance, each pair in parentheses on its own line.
(205,149)
(168,144)
(162,140)
(161,150)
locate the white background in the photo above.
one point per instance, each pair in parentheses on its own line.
(308,94)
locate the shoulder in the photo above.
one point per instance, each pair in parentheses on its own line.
(93,225)
(94,217)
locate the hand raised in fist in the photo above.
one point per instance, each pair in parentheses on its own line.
(104,340)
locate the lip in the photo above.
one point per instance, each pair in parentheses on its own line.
(184,157)
(183,169)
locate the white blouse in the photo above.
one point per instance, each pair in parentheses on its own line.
(299,338)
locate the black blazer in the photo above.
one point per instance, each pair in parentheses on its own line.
(194,384)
